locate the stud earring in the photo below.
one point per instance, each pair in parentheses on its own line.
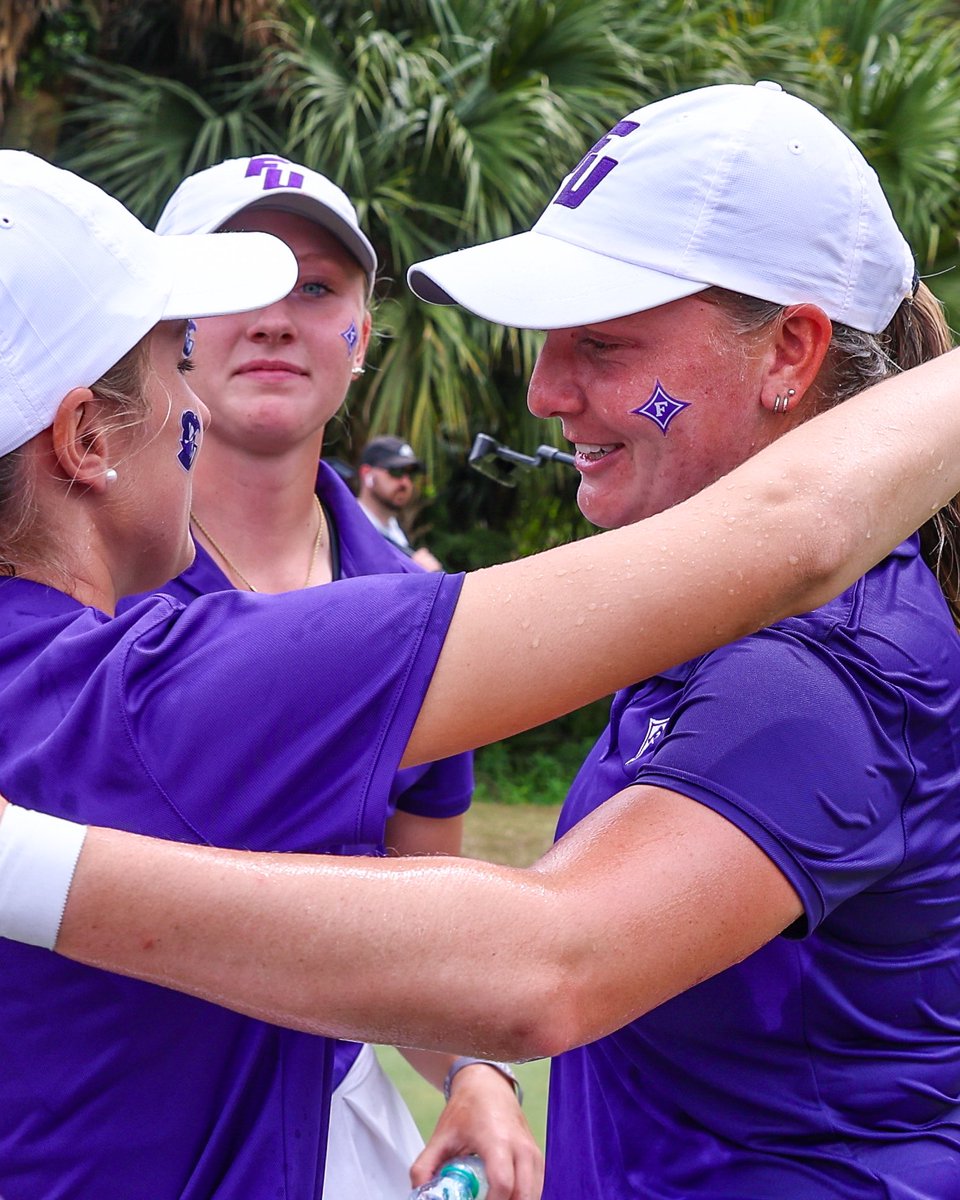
(358,371)
(782,403)
(110,476)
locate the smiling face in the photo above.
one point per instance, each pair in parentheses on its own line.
(617,388)
(277,375)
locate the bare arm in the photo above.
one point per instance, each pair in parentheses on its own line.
(786,531)
(509,963)
(483,1115)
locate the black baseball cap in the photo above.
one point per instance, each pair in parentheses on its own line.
(390,453)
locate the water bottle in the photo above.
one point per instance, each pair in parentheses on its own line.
(459,1179)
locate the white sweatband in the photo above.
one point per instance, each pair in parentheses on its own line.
(38,856)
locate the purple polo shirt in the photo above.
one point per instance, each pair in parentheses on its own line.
(439,789)
(240,720)
(827,1065)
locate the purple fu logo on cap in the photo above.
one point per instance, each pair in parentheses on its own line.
(580,184)
(273,170)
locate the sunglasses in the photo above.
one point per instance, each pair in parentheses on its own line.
(402,472)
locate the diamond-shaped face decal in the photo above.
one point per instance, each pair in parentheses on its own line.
(661,408)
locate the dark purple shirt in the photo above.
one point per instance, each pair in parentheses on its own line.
(827,1065)
(244,721)
(439,789)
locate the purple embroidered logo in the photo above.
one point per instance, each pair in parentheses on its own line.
(580,184)
(655,731)
(661,408)
(273,170)
(189,438)
(351,337)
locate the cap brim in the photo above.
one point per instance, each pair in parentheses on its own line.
(217,273)
(535,281)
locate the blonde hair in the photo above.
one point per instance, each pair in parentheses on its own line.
(122,386)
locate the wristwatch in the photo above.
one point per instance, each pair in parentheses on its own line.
(504,1068)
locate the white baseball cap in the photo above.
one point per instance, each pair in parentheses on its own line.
(206,201)
(82,281)
(740,187)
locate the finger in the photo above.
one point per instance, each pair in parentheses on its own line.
(528,1179)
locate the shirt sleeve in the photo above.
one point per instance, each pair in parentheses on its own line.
(800,743)
(438,789)
(279,721)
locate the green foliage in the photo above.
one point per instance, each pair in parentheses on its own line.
(138,135)
(61,36)
(538,767)
(452,121)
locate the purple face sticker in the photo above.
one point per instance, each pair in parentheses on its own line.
(661,408)
(189,438)
(351,337)
(189,339)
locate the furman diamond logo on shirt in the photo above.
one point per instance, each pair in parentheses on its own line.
(655,731)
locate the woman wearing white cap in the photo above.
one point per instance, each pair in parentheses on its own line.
(132,722)
(267,518)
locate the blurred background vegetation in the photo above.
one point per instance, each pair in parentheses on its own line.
(449,122)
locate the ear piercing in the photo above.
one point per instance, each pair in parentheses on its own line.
(782,403)
(358,371)
(110,477)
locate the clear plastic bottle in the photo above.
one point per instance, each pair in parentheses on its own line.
(459,1179)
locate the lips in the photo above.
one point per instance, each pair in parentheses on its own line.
(586,453)
(270,366)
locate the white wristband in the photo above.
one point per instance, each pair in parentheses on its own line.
(38,856)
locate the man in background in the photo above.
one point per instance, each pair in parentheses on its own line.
(388,467)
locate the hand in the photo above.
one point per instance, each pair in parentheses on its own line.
(423,558)
(483,1117)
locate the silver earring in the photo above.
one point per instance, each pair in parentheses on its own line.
(358,371)
(782,403)
(110,476)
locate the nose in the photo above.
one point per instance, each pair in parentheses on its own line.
(553,390)
(205,415)
(273,323)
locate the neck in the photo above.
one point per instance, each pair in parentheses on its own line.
(75,547)
(383,512)
(262,514)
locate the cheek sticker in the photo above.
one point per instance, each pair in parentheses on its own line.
(189,339)
(189,438)
(661,408)
(351,337)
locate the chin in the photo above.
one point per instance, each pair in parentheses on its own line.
(604,512)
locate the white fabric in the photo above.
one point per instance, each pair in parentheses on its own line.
(746,188)
(38,856)
(392,530)
(207,200)
(373,1139)
(82,281)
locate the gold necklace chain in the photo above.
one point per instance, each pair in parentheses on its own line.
(317,543)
